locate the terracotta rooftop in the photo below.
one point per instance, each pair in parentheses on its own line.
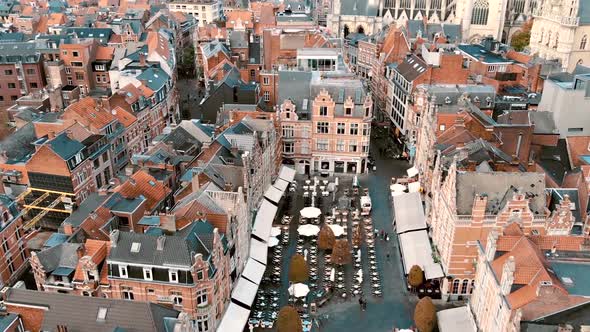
(141,183)
(126,118)
(97,250)
(531,269)
(89,113)
(104,53)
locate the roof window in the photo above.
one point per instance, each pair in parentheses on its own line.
(135,246)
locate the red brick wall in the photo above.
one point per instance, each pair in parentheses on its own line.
(32,318)
(45,161)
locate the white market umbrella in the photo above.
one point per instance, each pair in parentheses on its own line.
(275,231)
(359,279)
(298,290)
(412,171)
(310,212)
(337,230)
(272,241)
(358,259)
(308,230)
(397,187)
(333,274)
(359,273)
(305,254)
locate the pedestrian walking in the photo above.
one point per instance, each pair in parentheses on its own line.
(382,234)
(376,232)
(387,256)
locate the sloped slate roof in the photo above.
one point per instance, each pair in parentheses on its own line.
(80,313)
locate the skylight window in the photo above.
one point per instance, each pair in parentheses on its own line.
(135,246)
(102,314)
(152,183)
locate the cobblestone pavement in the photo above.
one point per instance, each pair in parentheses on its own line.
(395,308)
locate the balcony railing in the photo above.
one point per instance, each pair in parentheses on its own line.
(563,20)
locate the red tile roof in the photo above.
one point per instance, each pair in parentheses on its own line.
(104,53)
(97,250)
(141,183)
(89,113)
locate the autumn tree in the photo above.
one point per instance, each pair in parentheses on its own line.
(425,315)
(298,271)
(326,238)
(416,276)
(522,39)
(288,320)
(341,252)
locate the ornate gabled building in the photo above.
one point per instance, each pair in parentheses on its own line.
(325,121)
(355,16)
(561,30)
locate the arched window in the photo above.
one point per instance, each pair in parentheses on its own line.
(481,10)
(346,30)
(584,42)
(548,38)
(556,40)
(455,289)
(472,286)
(542,35)
(464,286)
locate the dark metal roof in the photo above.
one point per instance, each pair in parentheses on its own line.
(80,313)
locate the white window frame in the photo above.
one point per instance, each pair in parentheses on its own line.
(123,272)
(173,273)
(147,273)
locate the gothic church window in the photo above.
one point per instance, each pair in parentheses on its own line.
(481,10)
(584,42)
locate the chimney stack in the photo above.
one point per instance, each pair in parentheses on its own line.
(80,251)
(142,61)
(160,241)
(68,228)
(51,134)
(114,237)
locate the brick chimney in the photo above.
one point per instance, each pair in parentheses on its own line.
(80,251)
(68,228)
(142,61)
(51,134)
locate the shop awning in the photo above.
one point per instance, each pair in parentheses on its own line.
(263,222)
(287,173)
(456,319)
(273,194)
(281,184)
(234,319)
(244,292)
(253,271)
(408,213)
(416,250)
(258,251)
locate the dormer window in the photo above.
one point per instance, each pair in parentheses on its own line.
(447,100)
(147,273)
(323,110)
(173,276)
(123,271)
(348,111)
